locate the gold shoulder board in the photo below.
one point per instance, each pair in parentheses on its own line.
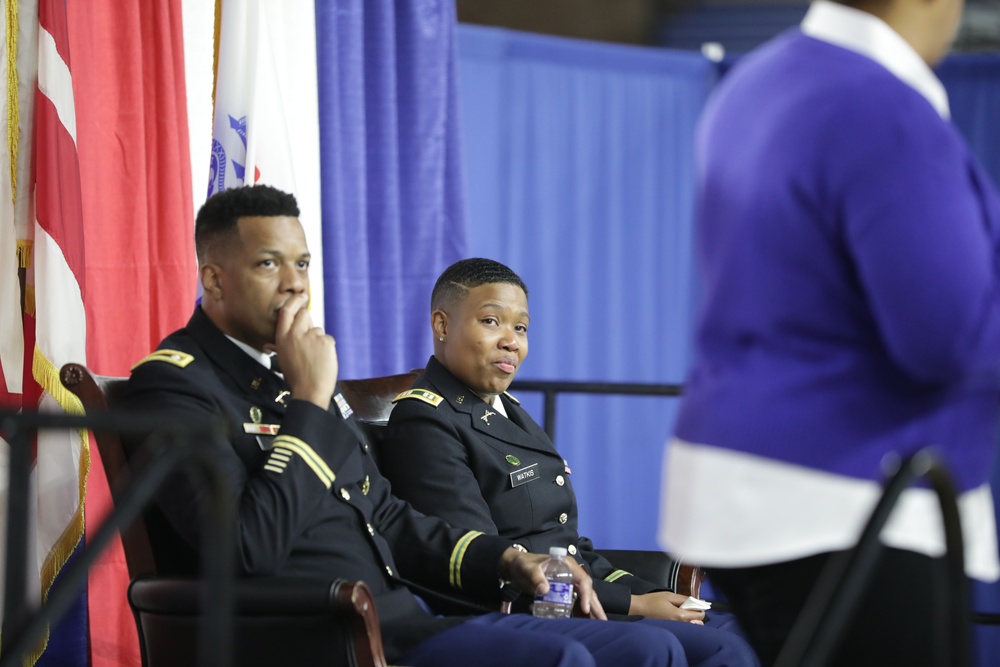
(175,357)
(420,395)
(511,397)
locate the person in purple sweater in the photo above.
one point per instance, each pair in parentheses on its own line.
(848,246)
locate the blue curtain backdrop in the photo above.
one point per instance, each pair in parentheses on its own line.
(392,191)
(973,84)
(578,170)
(579,175)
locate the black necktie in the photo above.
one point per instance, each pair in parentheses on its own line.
(274,363)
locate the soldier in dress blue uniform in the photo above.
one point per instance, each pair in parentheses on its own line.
(458,446)
(306,496)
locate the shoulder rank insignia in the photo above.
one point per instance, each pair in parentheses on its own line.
(175,357)
(511,397)
(420,395)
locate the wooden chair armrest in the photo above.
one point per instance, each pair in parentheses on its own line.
(659,568)
(357,596)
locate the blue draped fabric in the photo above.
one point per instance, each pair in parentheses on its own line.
(578,165)
(973,85)
(392,191)
(579,176)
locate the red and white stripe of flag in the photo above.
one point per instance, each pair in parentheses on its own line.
(54,321)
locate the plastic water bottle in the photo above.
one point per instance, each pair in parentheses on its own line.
(558,602)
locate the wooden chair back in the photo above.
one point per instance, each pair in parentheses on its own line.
(371,398)
(101,394)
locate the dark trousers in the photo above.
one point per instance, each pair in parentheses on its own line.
(521,639)
(500,640)
(901,619)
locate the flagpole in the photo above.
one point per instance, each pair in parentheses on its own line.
(15,607)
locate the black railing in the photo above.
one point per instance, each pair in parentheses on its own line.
(841,587)
(174,447)
(816,634)
(860,557)
(550,389)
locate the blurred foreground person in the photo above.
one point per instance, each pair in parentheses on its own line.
(847,241)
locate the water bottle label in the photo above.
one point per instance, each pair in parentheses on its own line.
(560,592)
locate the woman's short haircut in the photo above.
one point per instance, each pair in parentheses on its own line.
(456,281)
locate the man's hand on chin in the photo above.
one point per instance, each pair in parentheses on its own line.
(308,354)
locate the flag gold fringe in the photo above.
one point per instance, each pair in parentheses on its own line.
(215,55)
(24,253)
(47,376)
(29,300)
(13,113)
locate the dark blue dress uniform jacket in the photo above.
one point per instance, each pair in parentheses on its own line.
(307,500)
(462,462)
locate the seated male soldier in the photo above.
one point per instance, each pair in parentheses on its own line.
(307,499)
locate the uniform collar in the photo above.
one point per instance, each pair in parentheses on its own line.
(515,428)
(450,387)
(872,37)
(262,358)
(257,382)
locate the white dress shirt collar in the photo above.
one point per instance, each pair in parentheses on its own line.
(870,36)
(498,406)
(262,358)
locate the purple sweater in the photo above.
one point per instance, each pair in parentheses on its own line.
(847,241)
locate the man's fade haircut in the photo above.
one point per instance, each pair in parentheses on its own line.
(466,274)
(217,218)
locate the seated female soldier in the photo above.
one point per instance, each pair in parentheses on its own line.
(461,448)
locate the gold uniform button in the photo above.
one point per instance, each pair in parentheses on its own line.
(571,549)
(345,494)
(560,480)
(563,518)
(371,530)
(389,570)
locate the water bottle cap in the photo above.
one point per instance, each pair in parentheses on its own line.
(557,551)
